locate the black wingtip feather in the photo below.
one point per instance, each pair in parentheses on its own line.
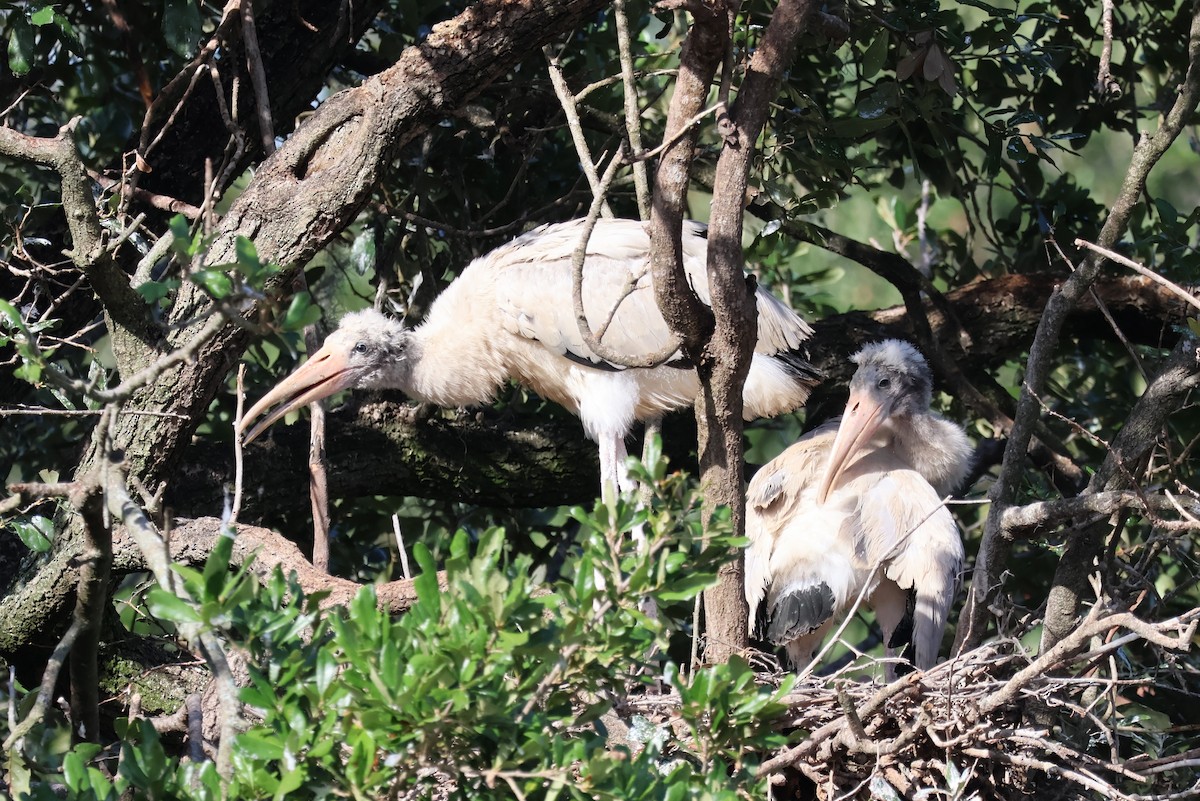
(797,364)
(799,612)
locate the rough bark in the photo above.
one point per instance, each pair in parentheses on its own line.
(296,203)
(388,448)
(726,359)
(190,543)
(702,52)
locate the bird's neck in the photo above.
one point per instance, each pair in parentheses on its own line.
(936,448)
(447,366)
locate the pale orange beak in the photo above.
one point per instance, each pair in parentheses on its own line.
(863,416)
(327,372)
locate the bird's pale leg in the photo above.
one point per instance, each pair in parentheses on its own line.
(610,445)
(615,479)
(890,604)
(612,466)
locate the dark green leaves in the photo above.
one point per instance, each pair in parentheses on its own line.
(181,25)
(20,44)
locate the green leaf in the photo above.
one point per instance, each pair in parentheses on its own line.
(216,567)
(181,236)
(14,317)
(291,781)
(154,291)
(31,372)
(301,312)
(425,582)
(260,745)
(247,256)
(19,775)
(43,16)
(165,606)
(181,25)
(36,532)
(875,55)
(215,282)
(20,44)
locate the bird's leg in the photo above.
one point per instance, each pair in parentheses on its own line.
(892,607)
(615,479)
(612,457)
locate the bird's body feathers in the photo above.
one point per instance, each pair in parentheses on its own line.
(881,531)
(518,300)
(510,315)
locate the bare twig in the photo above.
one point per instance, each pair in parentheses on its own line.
(567,100)
(46,691)
(258,78)
(578,257)
(632,115)
(1107,87)
(238,448)
(158,560)
(1186,296)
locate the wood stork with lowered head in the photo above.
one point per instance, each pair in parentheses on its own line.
(510,315)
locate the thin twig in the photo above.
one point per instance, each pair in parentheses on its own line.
(258,79)
(567,100)
(1175,288)
(632,116)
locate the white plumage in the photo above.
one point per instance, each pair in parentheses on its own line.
(856,506)
(510,315)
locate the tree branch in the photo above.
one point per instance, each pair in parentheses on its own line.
(726,357)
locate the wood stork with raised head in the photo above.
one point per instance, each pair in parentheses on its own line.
(855,506)
(510,315)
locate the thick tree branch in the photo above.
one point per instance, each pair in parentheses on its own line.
(726,358)
(698,61)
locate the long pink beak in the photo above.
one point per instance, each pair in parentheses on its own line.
(864,414)
(325,373)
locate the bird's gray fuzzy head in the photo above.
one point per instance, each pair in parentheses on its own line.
(376,349)
(896,370)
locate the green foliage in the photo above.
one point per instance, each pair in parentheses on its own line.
(35,531)
(495,684)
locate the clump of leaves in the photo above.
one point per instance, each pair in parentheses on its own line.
(495,682)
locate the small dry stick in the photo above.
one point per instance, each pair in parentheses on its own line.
(1173,287)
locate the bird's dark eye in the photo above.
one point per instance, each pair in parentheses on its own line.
(884,383)
(360,347)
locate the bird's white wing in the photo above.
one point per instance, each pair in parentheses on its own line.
(779,328)
(903,525)
(533,278)
(772,500)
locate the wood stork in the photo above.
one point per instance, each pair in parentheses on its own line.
(509,315)
(855,506)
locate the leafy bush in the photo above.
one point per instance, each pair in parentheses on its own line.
(496,683)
